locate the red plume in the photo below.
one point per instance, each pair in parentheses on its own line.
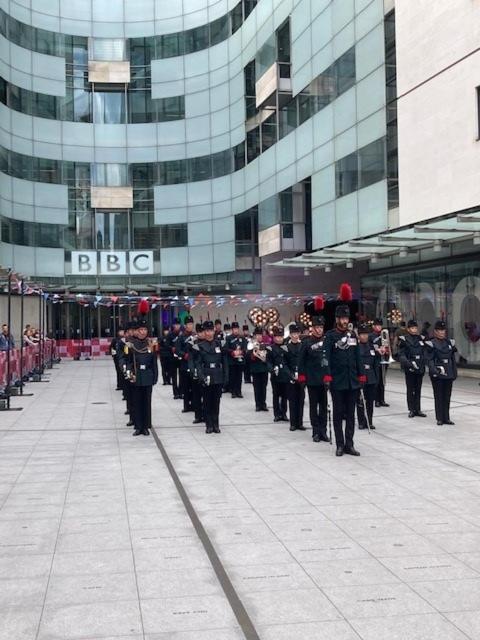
(345,292)
(318,303)
(143,307)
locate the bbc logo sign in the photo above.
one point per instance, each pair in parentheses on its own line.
(112,263)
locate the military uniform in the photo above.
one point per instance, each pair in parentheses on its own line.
(166,358)
(236,347)
(312,369)
(442,368)
(345,375)
(212,372)
(183,349)
(172,340)
(296,389)
(142,374)
(247,377)
(116,345)
(127,388)
(280,377)
(411,355)
(371,363)
(259,372)
(376,340)
(197,390)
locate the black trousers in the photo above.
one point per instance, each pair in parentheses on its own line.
(369,391)
(414,391)
(128,392)
(247,377)
(317,398)
(174,371)
(211,404)
(442,392)
(344,405)
(380,391)
(197,399)
(186,389)
(260,381)
(119,373)
(279,397)
(235,372)
(142,407)
(166,367)
(296,401)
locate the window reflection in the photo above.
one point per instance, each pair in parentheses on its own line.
(109,107)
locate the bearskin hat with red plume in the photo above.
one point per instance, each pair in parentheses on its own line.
(143,307)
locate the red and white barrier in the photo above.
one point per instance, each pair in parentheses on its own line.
(93,348)
(31,360)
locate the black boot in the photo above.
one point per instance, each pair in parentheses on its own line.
(339,452)
(351,451)
(137,432)
(216,428)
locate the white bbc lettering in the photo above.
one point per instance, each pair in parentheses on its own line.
(112,263)
(84,263)
(140,262)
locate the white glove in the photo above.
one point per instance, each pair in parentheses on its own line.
(441,370)
(296,375)
(415,366)
(276,370)
(207,381)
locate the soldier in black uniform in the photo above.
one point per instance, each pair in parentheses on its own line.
(142,374)
(312,369)
(384,351)
(173,337)
(116,345)
(197,390)
(212,372)
(280,375)
(411,355)
(218,330)
(247,378)
(182,352)
(296,389)
(345,375)
(442,368)
(236,347)
(371,364)
(165,356)
(122,363)
(259,369)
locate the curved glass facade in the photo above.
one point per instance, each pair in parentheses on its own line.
(169,131)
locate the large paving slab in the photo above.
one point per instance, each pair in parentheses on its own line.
(97,543)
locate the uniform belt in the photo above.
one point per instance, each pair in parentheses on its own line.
(214,365)
(445,361)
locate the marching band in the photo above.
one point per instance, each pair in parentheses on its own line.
(347,365)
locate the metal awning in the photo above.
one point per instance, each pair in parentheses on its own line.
(432,234)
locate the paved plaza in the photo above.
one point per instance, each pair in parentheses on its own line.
(254,533)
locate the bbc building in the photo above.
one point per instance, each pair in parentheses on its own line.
(246,145)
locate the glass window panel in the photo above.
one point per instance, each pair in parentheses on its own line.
(138,111)
(345,71)
(265,57)
(248,7)
(222,163)
(109,49)
(283,42)
(239,156)
(111,230)
(3,91)
(237,17)
(199,168)
(372,163)
(268,213)
(346,175)
(173,235)
(269,132)
(45,106)
(109,107)
(286,205)
(288,118)
(82,106)
(196,39)
(171,45)
(172,172)
(110,175)
(219,30)
(253,144)
(287,231)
